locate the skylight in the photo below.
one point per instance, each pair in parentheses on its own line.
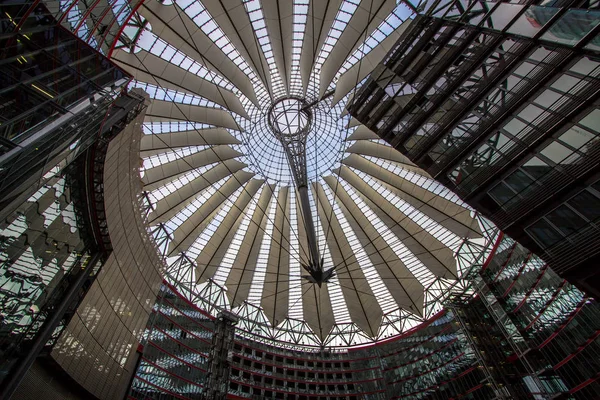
(242,90)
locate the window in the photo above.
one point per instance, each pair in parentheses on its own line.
(576,137)
(556,153)
(518,180)
(536,168)
(566,220)
(544,233)
(531,113)
(502,193)
(587,204)
(591,120)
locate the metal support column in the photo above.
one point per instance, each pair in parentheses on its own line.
(217,379)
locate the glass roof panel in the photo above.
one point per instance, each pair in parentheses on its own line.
(252,164)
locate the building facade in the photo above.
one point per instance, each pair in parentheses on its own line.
(56,91)
(499,102)
(526,334)
(62,104)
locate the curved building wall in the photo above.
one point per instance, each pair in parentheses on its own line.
(433,359)
(526,334)
(54,105)
(98,347)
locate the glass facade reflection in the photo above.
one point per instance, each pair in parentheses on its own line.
(556,324)
(498,101)
(55,91)
(42,247)
(61,103)
(174,359)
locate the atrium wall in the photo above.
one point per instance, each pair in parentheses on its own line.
(527,332)
(433,358)
(499,102)
(175,357)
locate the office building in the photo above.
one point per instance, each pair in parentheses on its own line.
(499,102)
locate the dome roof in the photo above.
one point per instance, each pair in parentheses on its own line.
(230,81)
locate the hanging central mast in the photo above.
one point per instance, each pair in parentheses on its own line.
(290,120)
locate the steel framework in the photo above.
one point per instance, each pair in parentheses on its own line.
(474,99)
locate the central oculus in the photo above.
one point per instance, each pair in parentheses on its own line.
(290,117)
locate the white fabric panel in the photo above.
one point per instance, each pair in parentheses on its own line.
(157,176)
(353,123)
(368,16)
(146,67)
(321,14)
(163,142)
(279,20)
(233,20)
(364,67)
(168,206)
(239,279)
(275,290)
(187,232)
(164,111)
(368,148)
(318,313)
(348,101)
(211,255)
(172,25)
(362,133)
(301,230)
